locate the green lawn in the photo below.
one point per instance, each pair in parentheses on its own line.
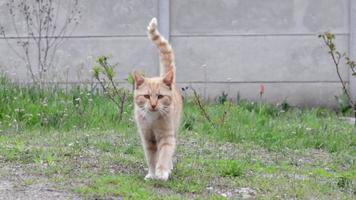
(72,138)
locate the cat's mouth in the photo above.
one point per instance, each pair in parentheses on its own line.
(153,109)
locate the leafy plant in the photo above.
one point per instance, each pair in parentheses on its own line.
(336,56)
(104,73)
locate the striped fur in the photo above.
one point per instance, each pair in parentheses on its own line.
(165,49)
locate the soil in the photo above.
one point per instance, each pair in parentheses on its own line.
(15,184)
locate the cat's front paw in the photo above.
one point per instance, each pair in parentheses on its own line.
(149,176)
(162,174)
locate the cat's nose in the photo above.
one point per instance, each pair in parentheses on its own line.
(153,106)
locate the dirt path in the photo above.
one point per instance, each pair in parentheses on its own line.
(15,184)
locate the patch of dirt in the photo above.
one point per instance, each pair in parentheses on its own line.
(15,184)
(234,193)
(237,151)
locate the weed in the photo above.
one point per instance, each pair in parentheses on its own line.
(232,168)
(336,57)
(104,73)
(222,98)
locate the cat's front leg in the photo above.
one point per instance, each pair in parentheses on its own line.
(166,148)
(150,148)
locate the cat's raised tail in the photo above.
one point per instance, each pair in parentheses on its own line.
(165,49)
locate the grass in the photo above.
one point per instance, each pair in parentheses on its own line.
(72,137)
(275,129)
(54,108)
(128,186)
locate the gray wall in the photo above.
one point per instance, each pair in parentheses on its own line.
(220,45)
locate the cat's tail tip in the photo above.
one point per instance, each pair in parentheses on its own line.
(153,24)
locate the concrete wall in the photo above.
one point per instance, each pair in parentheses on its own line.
(220,45)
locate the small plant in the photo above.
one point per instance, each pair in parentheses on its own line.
(344,182)
(204,111)
(336,56)
(104,73)
(284,106)
(222,98)
(201,105)
(262,91)
(188,123)
(232,168)
(343,103)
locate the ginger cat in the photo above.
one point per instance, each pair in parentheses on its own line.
(158,107)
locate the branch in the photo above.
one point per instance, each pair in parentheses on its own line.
(201,106)
(226,108)
(106,92)
(336,61)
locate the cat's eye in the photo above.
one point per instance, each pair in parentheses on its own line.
(160,96)
(147,96)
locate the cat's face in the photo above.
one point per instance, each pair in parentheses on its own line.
(153,94)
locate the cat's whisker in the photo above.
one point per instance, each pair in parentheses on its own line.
(164,109)
(163,112)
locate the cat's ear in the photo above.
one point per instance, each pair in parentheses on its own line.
(139,80)
(168,78)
